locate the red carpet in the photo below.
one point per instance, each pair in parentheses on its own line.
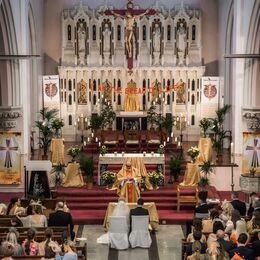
(89,206)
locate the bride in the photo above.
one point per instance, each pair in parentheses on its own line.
(121,209)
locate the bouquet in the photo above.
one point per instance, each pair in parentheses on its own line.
(193,152)
(155,178)
(108,178)
(161,149)
(73,151)
(103,150)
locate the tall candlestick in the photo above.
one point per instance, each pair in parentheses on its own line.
(232,152)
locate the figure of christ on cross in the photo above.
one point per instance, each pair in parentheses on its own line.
(130,15)
(8,149)
(255,149)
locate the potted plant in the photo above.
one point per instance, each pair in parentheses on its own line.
(161,149)
(167,123)
(175,166)
(108,178)
(155,178)
(59,171)
(217,127)
(45,129)
(205,169)
(57,124)
(74,151)
(152,116)
(108,115)
(87,166)
(103,150)
(204,125)
(193,152)
(96,122)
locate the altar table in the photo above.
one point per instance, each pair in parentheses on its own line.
(119,158)
(153,214)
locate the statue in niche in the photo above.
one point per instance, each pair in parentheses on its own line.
(82,93)
(181,44)
(156,38)
(180,92)
(81,37)
(106,38)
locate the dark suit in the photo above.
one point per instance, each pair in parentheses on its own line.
(61,219)
(203,208)
(226,245)
(256,248)
(138,211)
(240,206)
(246,253)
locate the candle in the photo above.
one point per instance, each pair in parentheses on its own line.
(96,139)
(232,152)
(75,124)
(84,143)
(99,144)
(86,119)
(179,143)
(144,153)
(88,139)
(168,139)
(164,143)
(92,134)
(78,119)
(81,115)
(171,134)
(176,139)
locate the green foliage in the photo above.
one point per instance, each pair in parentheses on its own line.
(152,115)
(87,166)
(205,124)
(57,124)
(203,182)
(103,150)
(108,115)
(206,168)
(74,151)
(175,166)
(155,178)
(96,122)
(161,149)
(45,126)
(167,122)
(108,178)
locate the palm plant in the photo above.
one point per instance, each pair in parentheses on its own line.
(175,166)
(205,124)
(206,168)
(87,166)
(96,122)
(108,115)
(57,124)
(45,128)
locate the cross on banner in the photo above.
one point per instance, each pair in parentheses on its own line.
(8,149)
(130,16)
(255,149)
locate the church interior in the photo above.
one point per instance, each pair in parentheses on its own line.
(130,129)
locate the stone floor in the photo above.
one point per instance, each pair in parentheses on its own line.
(166,245)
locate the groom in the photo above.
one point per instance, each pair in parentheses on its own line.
(139,210)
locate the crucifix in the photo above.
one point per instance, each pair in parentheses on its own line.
(130,15)
(8,149)
(255,149)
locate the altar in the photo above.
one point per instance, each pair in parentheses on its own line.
(119,158)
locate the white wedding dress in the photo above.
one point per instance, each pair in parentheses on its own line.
(121,209)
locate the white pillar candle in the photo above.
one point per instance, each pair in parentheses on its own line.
(171,134)
(164,143)
(179,143)
(144,153)
(99,144)
(92,134)
(84,143)
(176,139)
(88,139)
(168,139)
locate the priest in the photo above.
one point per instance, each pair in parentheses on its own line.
(127,182)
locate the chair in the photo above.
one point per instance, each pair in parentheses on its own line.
(118,232)
(186,198)
(140,235)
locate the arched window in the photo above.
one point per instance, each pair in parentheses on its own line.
(119,100)
(193,30)
(70,119)
(193,85)
(65,96)
(69,32)
(94,99)
(61,96)
(74,96)
(119,33)
(189,96)
(94,85)
(144,33)
(168,99)
(173,96)
(193,99)
(192,120)
(70,85)
(89,97)
(119,83)
(144,84)
(168,33)
(70,99)
(94,32)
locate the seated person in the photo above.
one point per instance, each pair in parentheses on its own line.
(14,207)
(127,182)
(197,246)
(221,239)
(30,246)
(256,245)
(238,204)
(240,228)
(197,226)
(3,209)
(241,250)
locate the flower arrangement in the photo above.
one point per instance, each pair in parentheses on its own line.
(74,151)
(103,150)
(155,178)
(108,178)
(193,152)
(142,184)
(161,149)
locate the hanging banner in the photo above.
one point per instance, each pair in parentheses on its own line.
(210,94)
(10,158)
(51,91)
(251,152)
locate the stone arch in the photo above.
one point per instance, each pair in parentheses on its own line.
(9,70)
(252,66)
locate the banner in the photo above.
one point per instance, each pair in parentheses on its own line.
(210,88)
(10,158)
(51,91)
(251,152)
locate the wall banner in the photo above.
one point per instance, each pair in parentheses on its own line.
(51,91)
